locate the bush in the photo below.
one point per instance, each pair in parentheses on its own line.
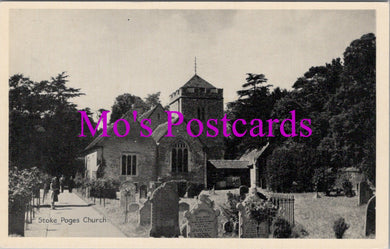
(347,187)
(229,208)
(323,179)
(103,188)
(339,228)
(281,228)
(260,210)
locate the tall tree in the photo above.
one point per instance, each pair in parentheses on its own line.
(44,124)
(255,101)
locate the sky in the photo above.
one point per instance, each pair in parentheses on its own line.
(110,52)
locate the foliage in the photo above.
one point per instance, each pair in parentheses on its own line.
(339,99)
(22,184)
(259,209)
(292,163)
(126,102)
(229,209)
(339,227)
(255,101)
(44,125)
(152,100)
(104,188)
(281,228)
(347,187)
(323,179)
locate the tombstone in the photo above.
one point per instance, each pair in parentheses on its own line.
(202,219)
(364,193)
(127,190)
(248,227)
(165,211)
(370,217)
(143,192)
(183,207)
(145,214)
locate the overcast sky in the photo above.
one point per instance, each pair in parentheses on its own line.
(110,52)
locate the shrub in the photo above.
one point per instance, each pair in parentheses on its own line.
(103,187)
(229,208)
(339,228)
(281,228)
(259,209)
(347,187)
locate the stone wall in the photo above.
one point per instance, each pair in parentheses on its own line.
(196,156)
(143,147)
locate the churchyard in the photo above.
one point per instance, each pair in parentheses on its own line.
(312,217)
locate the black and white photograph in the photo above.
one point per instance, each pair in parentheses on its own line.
(224,123)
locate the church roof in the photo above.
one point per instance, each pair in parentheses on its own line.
(198,82)
(253,155)
(230,164)
(160,131)
(149,113)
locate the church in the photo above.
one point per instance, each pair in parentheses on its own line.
(143,160)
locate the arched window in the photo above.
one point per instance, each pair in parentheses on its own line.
(179,160)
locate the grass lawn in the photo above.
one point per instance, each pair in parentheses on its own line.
(316,216)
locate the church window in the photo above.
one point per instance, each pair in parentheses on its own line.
(179,162)
(129,165)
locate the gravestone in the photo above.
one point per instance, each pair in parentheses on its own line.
(143,191)
(127,190)
(165,211)
(145,214)
(248,227)
(364,193)
(370,217)
(183,207)
(202,219)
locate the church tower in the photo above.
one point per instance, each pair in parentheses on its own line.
(198,99)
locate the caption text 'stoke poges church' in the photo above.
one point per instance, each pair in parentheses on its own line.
(142,160)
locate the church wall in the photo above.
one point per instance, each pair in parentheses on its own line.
(133,144)
(196,164)
(158,117)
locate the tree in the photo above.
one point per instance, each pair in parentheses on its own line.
(125,102)
(255,101)
(44,124)
(152,100)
